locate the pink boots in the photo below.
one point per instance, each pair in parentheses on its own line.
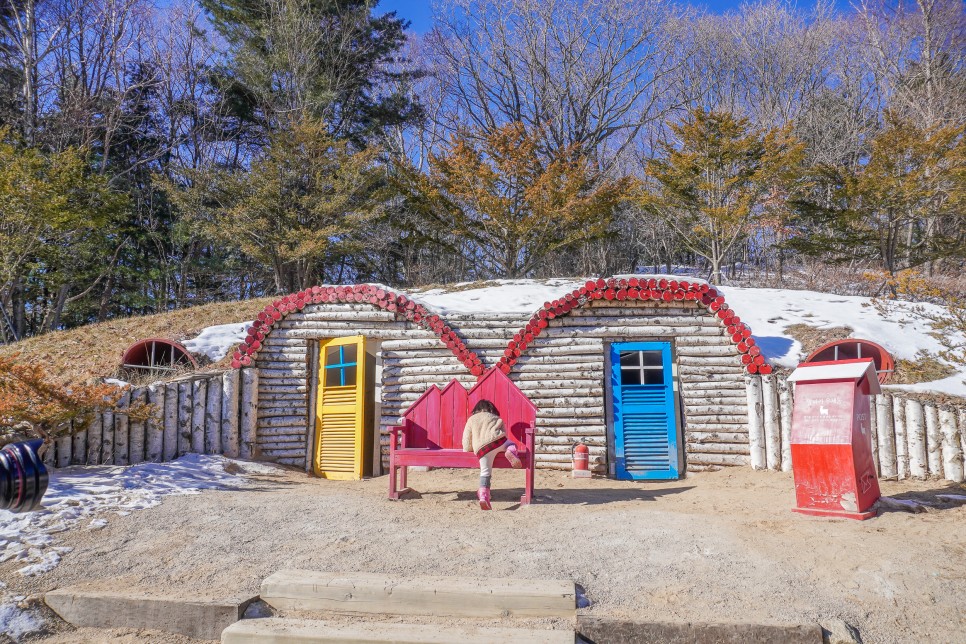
(513,456)
(483,494)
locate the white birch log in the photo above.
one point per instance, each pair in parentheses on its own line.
(64,447)
(170,422)
(136,430)
(934,441)
(296,433)
(708,376)
(213,417)
(886,425)
(351,316)
(296,423)
(595,441)
(916,435)
(95,435)
(229,413)
(731,388)
(185,413)
(122,432)
(704,351)
(279,371)
(772,422)
(726,418)
(586,430)
(718,459)
(249,412)
(728,361)
(295,383)
(786,402)
(107,438)
(199,401)
(952,451)
(707,425)
(276,412)
(154,428)
(756,425)
(277,390)
(902,442)
(720,410)
(717,437)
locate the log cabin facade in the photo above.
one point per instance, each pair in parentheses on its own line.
(647,371)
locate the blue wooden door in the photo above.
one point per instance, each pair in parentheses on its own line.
(645,432)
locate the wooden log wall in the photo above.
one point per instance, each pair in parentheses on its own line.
(190,418)
(910,438)
(565,370)
(562,371)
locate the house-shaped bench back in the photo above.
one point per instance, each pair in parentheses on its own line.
(437,418)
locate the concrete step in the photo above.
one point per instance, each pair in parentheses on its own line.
(308,631)
(306,590)
(199,617)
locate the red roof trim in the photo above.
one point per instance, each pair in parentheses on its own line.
(660,289)
(377,296)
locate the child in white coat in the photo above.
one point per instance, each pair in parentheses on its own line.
(485,436)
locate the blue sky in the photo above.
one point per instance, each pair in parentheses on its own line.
(419,13)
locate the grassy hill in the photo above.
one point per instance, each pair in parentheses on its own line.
(94,351)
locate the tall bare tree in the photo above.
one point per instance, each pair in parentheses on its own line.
(588,74)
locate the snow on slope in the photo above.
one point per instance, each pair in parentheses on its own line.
(216,341)
(767,311)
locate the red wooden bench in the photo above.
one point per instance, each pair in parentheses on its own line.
(432,433)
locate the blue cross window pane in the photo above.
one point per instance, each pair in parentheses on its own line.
(340,366)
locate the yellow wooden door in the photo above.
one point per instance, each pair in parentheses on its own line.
(340,414)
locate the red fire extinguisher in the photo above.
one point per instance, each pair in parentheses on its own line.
(581,457)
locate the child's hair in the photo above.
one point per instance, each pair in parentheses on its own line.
(487,406)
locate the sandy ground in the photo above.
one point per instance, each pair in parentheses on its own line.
(719,546)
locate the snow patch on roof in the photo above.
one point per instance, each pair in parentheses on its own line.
(216,341)
(770,311)
(496,296)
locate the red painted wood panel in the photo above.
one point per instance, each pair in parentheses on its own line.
(453,414)
(422,420)
(515,408)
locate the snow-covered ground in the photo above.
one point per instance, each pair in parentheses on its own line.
(85,498)
(216,341)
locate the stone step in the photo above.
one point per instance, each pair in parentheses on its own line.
(306,590)
(307,631)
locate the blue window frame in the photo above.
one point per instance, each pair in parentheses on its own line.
(340,365)
(645,431)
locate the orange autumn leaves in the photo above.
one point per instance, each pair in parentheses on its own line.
(28,395)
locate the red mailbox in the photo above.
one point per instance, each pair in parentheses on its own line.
(832,438)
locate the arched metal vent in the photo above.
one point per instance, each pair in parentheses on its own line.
(157,356)
(852,348)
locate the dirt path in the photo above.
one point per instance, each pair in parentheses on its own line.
(715,547)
